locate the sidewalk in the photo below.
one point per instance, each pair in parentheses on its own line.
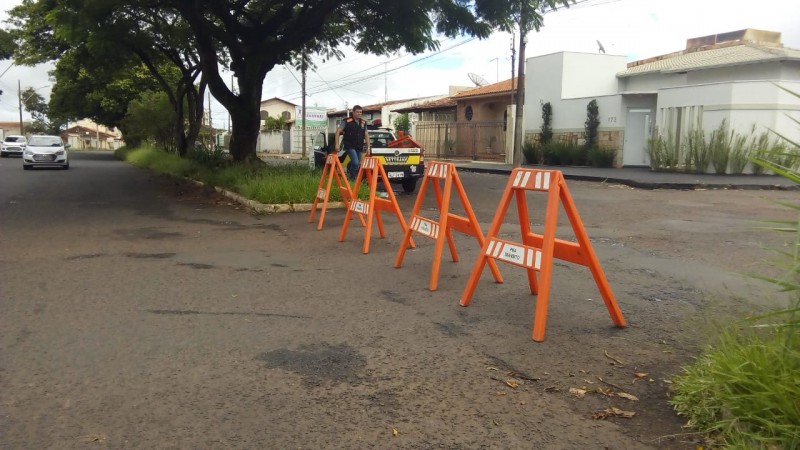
(644,178)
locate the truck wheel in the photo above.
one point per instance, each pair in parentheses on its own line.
(409,184)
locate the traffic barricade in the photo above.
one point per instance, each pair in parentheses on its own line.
(372,170)
(435,174)
(536,252)
(333,171)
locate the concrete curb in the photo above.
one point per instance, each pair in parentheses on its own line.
(263,208)
(677,185)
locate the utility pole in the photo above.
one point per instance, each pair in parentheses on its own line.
(233,91)
(303,110)
(523,33)
(513,52)
(210,123)
(19,98)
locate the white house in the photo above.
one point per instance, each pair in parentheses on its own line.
(736,76)
(277,107)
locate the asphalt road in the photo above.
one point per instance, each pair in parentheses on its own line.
(140,312)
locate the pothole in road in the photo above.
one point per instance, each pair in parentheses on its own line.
(339,363)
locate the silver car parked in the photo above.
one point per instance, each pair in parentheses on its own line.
(45,151)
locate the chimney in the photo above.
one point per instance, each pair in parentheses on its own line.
(763,37)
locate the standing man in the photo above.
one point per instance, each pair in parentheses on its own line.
(356,139)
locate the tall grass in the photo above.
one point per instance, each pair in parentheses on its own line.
(699,155)
(725,151)
(739,154)
(664,153)
(719,146)
(745,391)
(265,184)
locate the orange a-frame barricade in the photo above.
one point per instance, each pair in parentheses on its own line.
(333,170)
(372,169)
(434,173)
(537,251)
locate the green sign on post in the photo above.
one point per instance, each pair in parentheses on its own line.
(315,117)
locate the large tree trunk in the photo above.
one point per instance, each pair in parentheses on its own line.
(245,118)
(194,101)
(249,65)
(245,124)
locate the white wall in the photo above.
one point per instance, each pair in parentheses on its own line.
(590,75)
(762,71)
(561,79)
(388,116)
(651,83)
(743,104)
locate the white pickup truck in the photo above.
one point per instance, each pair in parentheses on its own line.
(403,165)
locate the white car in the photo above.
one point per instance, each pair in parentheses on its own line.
(12,145)
(45,151)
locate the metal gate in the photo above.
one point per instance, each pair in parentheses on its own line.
(480,141)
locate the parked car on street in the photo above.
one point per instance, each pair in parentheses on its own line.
(45,151)
(13,144)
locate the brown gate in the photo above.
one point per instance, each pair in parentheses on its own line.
(480,141)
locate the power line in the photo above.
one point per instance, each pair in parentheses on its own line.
(294,95)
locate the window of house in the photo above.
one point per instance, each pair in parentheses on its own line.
(468,113)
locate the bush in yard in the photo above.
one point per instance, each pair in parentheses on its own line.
(547,124)
(563,154)
(532,152)
(601,157)
(402,123)
(592,124)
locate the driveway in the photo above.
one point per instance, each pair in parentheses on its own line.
(140,312)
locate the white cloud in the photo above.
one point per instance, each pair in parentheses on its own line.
(634,28)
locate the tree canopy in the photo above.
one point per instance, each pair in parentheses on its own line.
(251,37)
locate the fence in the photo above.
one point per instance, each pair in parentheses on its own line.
(289,141)
(271,142)
(483,141)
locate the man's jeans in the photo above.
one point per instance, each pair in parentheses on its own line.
(355,162)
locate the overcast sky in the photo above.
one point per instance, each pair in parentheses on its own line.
(634,28)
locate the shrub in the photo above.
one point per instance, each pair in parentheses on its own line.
(547,124)
(698,153)
(563,154)
(402,123)
(601,157)
(532,153)
(719,146)
(592,124)
(664,153)
(738,155)
(209,156)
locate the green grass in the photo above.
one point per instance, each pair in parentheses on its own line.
(265,184)
(745,391)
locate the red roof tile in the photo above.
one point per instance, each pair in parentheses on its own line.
(503,87)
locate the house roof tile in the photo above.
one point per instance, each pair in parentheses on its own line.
(436,105)
(279,99)
(719,55)
(503,87)
(377,107)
